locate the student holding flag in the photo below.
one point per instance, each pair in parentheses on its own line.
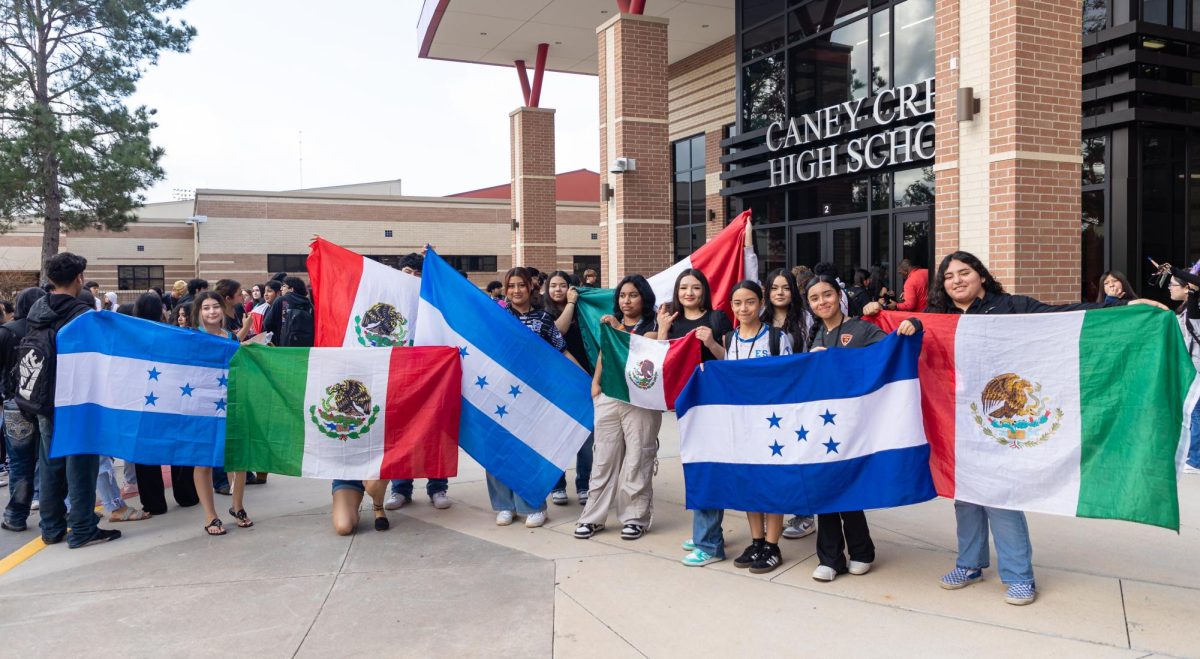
(626,437)
(838,531)
(561,300)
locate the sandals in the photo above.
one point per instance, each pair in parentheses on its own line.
(381,522)
(215,527)
(243,521)
(128,514)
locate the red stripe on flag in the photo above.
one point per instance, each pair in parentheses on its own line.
(424,399)
(683,355)
(722,262)
(335,273)
(936,373)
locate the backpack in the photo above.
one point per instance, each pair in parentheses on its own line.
(33,372)
(296,326)
(10,335)
(774,339)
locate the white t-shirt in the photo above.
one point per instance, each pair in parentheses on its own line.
(759,346)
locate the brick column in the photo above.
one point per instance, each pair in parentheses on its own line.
(1034,158)
(945,164)
(535,240)
(635,225)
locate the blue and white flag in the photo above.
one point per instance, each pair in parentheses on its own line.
(147,392)
(824,432)
(526,408)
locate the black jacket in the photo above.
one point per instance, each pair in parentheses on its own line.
(11,334)
(1003,303)
(273,318)
(56,310)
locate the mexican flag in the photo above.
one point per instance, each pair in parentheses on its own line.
(724,260)
(349,413)
(1077,413)
(358,302)
(645,372)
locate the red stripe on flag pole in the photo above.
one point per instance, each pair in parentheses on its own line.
(421,413)
(335,274)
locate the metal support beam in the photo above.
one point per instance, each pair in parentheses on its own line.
(539,70)
(523,75)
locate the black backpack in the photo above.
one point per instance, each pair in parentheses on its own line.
(774,339)
(10,335)
(296,326)
(33,372)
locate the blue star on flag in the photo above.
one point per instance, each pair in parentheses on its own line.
(151,398)
(802,434)
(220,405)
(515,391)
(154,373)
(831,446)
(222,380)
(186,389)
(774,420)
(501,410)
(462,352)
(828,417)
(776,449)
(481,382)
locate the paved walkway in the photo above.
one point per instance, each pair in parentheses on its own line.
(451,583)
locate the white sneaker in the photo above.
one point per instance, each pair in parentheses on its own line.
(396,501)
(800,526)
(1189,469)
(824,573)
(559,497)
(439,500)
(34,505)
(857,567)
(504,518)
(535,520)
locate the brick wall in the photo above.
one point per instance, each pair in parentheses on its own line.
(535,240)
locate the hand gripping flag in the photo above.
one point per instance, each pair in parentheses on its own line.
(358,302)
(1071,423)
(142,391)
(349,413)
(526,409)
(824,432)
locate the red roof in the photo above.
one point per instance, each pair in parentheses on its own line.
(579,185)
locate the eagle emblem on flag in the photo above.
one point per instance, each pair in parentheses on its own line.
(1014,412)
(345,412)
(643,375)
(382,326)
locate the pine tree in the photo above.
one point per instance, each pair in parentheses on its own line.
(71,152)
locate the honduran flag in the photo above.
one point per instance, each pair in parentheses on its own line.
(824,432)
(1077,413)
(646,372)
(348,413)
(146,392)
(526,408)
(358,302)
(725,261)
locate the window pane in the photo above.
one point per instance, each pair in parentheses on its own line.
(881,58)
(881,245)
(822,14)
(697,196)
(683,244)
(698,237)
(1095,15)
(807,247)
(914,31)
(1093,160)
(1179,14)
(771,246)
(697,144)
(913,187)
(1092,227)
(762,40)
(849,45)
(683,187)
(755,11)
(881,191)
(683,161)
(1154,11)
(914,242)
(762,85)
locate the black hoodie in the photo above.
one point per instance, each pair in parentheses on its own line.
(33,312)
(56,310)
(273,318)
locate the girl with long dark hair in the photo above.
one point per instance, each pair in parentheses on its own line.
(562,295)
(1114,285)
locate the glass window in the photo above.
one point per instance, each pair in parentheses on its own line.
(913,187)
(762,40)
(689,193)
(289,263)
(771,246)
(914,36)
(881,191)
(849,44)
(1154,11)
(881,48)
(881,242)
(1092,229)
(1095,15)
(1093,159)
(822,14)
(139,277)
(1179,14)
(756,11)
(697,149)
(763,93)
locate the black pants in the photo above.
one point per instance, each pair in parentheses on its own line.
(184,486)
(836,532)
(152,491)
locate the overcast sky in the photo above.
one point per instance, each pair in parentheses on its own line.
(346,74)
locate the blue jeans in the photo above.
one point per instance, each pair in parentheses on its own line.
(503,498)
(219,478)
(73,476)
(107,488)
(1193,455)
(706,532)
(404,486)
(21,436)
(1014,552)
(583,467)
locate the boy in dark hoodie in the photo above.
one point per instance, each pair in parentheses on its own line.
(75,475)
(20,434)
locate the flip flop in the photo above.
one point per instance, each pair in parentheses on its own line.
(129,514)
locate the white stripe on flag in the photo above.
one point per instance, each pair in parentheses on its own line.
(507,400)
(139,385)
(379,283)
(330,457)
(641,349)
(814,432)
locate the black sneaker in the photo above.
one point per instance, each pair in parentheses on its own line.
(585,531)
(12,527)
(632,531)
(768,559)
(54,540)
(101,536)
(750,555)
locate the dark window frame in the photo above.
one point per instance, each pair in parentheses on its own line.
(140,277)
(690,225)
(289,263)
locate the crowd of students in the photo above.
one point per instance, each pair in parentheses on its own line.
(790,311)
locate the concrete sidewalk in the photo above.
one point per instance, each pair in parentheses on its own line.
(451,583)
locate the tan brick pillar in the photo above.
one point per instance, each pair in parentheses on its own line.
(535,240)
(635,225)
(1036,68)
(945,164)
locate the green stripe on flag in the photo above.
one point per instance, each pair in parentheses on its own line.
(593,303)
(1134,373)
(266,415)
(614,346)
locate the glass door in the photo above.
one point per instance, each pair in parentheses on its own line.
(807,245)
(913,238)
(843,243)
